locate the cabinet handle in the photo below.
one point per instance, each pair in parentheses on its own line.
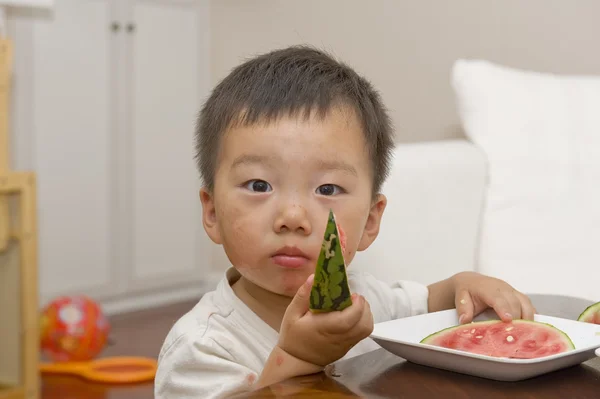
(115,26)
(130,27)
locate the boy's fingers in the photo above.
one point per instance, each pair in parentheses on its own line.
(514,305)
(341,322)
(464,306)
(502,309)
(366,322)
(527,308)
(299,305)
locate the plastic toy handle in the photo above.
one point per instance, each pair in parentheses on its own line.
(108,370)
(64,368)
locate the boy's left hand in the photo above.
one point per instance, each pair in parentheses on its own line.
(475,293)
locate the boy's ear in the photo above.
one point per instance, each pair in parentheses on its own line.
(209,215)
(373,222)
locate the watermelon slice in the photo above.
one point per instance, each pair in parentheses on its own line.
(518,339)
(591,314)
(330,290)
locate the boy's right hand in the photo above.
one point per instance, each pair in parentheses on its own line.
(323,338)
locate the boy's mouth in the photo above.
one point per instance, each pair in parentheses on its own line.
(290,258)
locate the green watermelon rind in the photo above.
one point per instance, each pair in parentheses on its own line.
(564,335)
(322,296)
(590,310)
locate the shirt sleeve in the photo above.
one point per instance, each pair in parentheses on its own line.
(198,367)
(392,301)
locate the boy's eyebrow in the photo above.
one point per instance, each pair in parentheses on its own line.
(338,165)
(245,159)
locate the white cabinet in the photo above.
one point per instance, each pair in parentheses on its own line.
(71,113)
(166,100)
(115,87)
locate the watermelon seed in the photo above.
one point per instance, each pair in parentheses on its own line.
(510,338)
(473,331)
(509,328)
(479,336)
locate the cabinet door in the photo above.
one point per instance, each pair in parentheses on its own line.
(167,81)
(72,146)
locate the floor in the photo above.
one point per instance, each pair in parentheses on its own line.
(134,334)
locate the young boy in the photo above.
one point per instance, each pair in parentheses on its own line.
(283,139)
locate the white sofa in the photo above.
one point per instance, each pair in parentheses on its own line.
(430,227)
(519,199)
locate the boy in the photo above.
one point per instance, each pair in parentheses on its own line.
(285,137)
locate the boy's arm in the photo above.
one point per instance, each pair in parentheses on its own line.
(201,368)
(441,295)
(281,365)
(391,301)
(198,367)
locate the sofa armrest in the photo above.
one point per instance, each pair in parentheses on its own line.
(430,226)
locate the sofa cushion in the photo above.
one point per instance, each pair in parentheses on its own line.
(540,134)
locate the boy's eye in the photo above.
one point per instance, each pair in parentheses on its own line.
(329,189)
(259,186)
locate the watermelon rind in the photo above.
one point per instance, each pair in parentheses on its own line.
(566,337)
(590,310)
(330,290)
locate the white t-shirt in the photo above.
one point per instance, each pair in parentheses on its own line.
(220,347)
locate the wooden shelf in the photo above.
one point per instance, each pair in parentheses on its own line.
(19,342)
(5,71)
(19,353)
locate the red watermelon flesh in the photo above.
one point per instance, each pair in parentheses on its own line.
(591,314)
(518,339)
(342,237)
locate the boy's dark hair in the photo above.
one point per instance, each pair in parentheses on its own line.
(286,82)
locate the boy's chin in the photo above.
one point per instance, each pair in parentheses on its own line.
(285,286)
(288,292)
(289,289)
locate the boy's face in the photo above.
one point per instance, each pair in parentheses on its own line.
(274,186)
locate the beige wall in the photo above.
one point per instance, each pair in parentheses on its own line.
(406,48)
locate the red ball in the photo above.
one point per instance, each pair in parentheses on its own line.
(73,329)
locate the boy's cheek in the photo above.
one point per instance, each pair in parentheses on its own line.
(348,257)
(236,221)
(240,242)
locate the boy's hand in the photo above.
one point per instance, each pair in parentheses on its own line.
(474,293)
(323,338)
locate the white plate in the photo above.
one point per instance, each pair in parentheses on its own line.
(401,337)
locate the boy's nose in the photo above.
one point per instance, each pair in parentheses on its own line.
(293,217)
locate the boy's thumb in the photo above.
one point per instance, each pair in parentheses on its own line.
(299,305)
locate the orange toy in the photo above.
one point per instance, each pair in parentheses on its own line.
(73,332)
(108,370)
(73,329)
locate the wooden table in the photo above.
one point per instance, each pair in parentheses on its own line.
(380,374)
